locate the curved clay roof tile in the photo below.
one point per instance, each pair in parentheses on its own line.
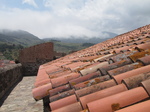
(145,60)
(146,85)
(139,107)
(102,94)
(117,101)
(134,81)
(61,95)
(63,102)
(75,107)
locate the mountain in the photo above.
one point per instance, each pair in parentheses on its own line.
(73,39)
(12,41)
(110,34)
(72,43)
(94,40)
(70,47)
(18,37)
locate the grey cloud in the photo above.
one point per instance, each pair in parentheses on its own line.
(79,17)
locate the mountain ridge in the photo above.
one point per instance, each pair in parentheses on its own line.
(73,39)
(19,37)
(27,39)
(12,41)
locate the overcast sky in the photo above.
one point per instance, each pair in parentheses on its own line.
(64,18)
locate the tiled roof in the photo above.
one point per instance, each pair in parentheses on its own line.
(110,76)
(4,63)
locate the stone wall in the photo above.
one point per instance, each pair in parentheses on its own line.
(58,54)
(9,76)
(31,58)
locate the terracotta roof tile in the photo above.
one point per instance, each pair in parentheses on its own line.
(42,75)
(103,57)
(117,101)
(64,79)
(137,55)
(93,68)
(84,78)
(42,91)
(63,102)
(134,81)
(102,94)
(103,70)
(91,82)
(4,63)
(146,85)
(59,89)
(120,57)
(98,78)
(58,74)
(139,107)
(125,68)
(145,60)
(134,72)
(61,95)
(42,82)
(89,58)
(85,110)
(54,70)
(122,49)
(75,107)
(94,88)
(143,46)
(76,64)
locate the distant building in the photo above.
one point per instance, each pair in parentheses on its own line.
(4,63)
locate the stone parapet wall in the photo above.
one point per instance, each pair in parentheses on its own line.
(31,69)
(9,76)
(31,58)
(35,53)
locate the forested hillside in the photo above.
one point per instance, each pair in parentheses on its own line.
(12,41)
(10,51)
(19,37)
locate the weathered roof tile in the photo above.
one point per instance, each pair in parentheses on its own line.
(91,82)
(64,79)
(84,78)
(42,91)
(146,85)
(61,95)
(94,88)
(139,107)
(145,60)
(75,107)
(98,78)
(92,68)
(63,102)
(102,94)
(59,89)
(134,72)
(134,81)
(125,68)
(118,101)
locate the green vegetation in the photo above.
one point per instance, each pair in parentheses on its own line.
(70,47)
(87,44)
(19,37)
(12,41)
(10,51)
